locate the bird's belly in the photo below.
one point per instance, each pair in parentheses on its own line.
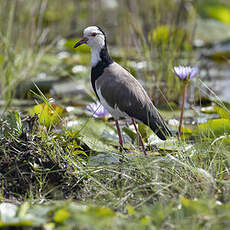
(114,111)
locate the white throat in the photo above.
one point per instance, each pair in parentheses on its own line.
(95,55)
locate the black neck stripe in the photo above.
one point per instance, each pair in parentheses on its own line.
(98,70)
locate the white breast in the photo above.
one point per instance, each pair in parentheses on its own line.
(115,112)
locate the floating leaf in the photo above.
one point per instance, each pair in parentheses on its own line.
(100,211)
(208,110)
(48,115)
(96,134)
(223,113)
(213,128)
(211,32)
(186,133)
(130,133)
(61,215)
(219,12)
(145,131)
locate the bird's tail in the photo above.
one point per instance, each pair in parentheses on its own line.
(162,130)
(159,126)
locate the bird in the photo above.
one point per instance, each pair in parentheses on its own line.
(118,90)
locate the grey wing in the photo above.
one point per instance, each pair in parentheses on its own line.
(125,92)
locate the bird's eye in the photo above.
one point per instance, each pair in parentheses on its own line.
(93,34)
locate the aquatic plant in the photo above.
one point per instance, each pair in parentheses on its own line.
(98,110)
(185,73)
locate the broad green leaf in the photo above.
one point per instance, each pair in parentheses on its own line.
(101,212)
(96,134)
(48,115)
(208,110)
(61,215)
(223,113)
(145,131)
(219,12)
(22,222)
(129,132)
(213,128)
(186,133)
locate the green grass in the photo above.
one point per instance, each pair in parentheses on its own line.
(21,40)
(62,176)
(185,187)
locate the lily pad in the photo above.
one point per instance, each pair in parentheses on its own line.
(61,215)
(219,12)
(144,130)
(208,110)
(210,31)
(213,128)
(223,113)
(96,134)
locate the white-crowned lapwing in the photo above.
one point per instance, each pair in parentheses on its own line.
(118,91)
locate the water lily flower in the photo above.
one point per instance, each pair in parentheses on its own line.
(98,110)
(185,72)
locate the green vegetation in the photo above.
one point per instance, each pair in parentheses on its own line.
(60,168)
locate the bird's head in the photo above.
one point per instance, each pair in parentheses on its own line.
(94,37)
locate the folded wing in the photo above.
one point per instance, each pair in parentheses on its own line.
(121,90)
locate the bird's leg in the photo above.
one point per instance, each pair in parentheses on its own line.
(120,136)
(139,135)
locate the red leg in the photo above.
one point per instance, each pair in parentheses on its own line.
(139,135)
(120,136)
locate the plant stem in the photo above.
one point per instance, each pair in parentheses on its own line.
(182,109)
